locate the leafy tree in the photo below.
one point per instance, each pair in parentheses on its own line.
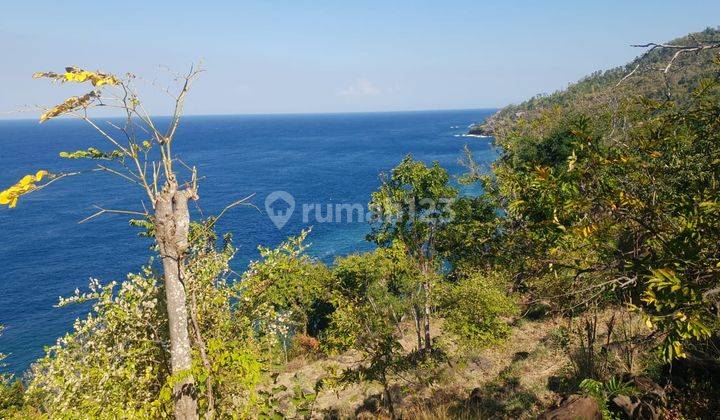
(367,294)
(671,195)
(618,211)
(283,291)
(470,237)
(411,206)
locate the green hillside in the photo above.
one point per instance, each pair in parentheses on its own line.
(648,80)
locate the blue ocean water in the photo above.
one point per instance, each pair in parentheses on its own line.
(323,159)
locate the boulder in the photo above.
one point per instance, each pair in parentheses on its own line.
(624,405)
(574,407)
(651,390)
(646,411)
(631,407)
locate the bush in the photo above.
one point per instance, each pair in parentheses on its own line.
(115,362)
(305,344)
(475,308)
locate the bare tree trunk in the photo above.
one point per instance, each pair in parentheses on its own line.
(426,290)
(210,414)
(172,224)
(388,398)
(428,342)
(418,327)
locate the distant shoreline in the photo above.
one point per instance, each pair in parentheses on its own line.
(479,136)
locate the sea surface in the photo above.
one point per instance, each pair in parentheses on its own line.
(318,159)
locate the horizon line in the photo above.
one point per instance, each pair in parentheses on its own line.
(270,114)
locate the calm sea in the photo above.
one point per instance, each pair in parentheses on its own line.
(318,159)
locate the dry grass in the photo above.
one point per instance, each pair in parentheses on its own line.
(518,378)
(508,380)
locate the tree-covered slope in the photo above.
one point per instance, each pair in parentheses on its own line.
(644,76)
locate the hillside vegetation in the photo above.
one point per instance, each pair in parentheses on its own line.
(643,76)
(582,283)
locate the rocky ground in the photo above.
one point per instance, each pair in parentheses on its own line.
(529,375)
(509,380)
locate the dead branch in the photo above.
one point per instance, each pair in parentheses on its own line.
(679,49)
(242,201)
(628,75)
(102,211)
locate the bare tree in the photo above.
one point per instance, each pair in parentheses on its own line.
(142,155)
(679,50)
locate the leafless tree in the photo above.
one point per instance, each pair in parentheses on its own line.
(679,49)
(142,154)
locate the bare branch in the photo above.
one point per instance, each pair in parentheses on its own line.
(628,75)
(679,49)
(163,89)
(111,139)
(102,211)
(180,102)
(242,201)
(57,178)
(120,174)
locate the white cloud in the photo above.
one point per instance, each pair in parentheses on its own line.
(360,87)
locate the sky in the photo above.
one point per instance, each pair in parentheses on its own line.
(331,56)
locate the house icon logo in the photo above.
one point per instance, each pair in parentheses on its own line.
(279,206)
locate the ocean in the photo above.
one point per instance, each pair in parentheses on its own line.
(317,160)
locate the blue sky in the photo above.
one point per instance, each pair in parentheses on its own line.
(334,56)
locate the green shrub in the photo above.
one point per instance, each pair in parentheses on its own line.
(475,310)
